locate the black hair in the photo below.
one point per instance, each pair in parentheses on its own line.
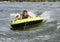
(24,11)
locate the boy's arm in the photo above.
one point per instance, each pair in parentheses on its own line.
(29,16)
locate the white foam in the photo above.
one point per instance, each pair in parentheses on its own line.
(14,14)
(49,16)
(31,13)
(46,15)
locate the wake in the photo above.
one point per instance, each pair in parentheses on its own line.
(48,16)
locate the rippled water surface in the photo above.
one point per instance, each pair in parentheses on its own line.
(48,31)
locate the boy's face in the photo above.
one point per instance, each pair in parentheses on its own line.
(25,13)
